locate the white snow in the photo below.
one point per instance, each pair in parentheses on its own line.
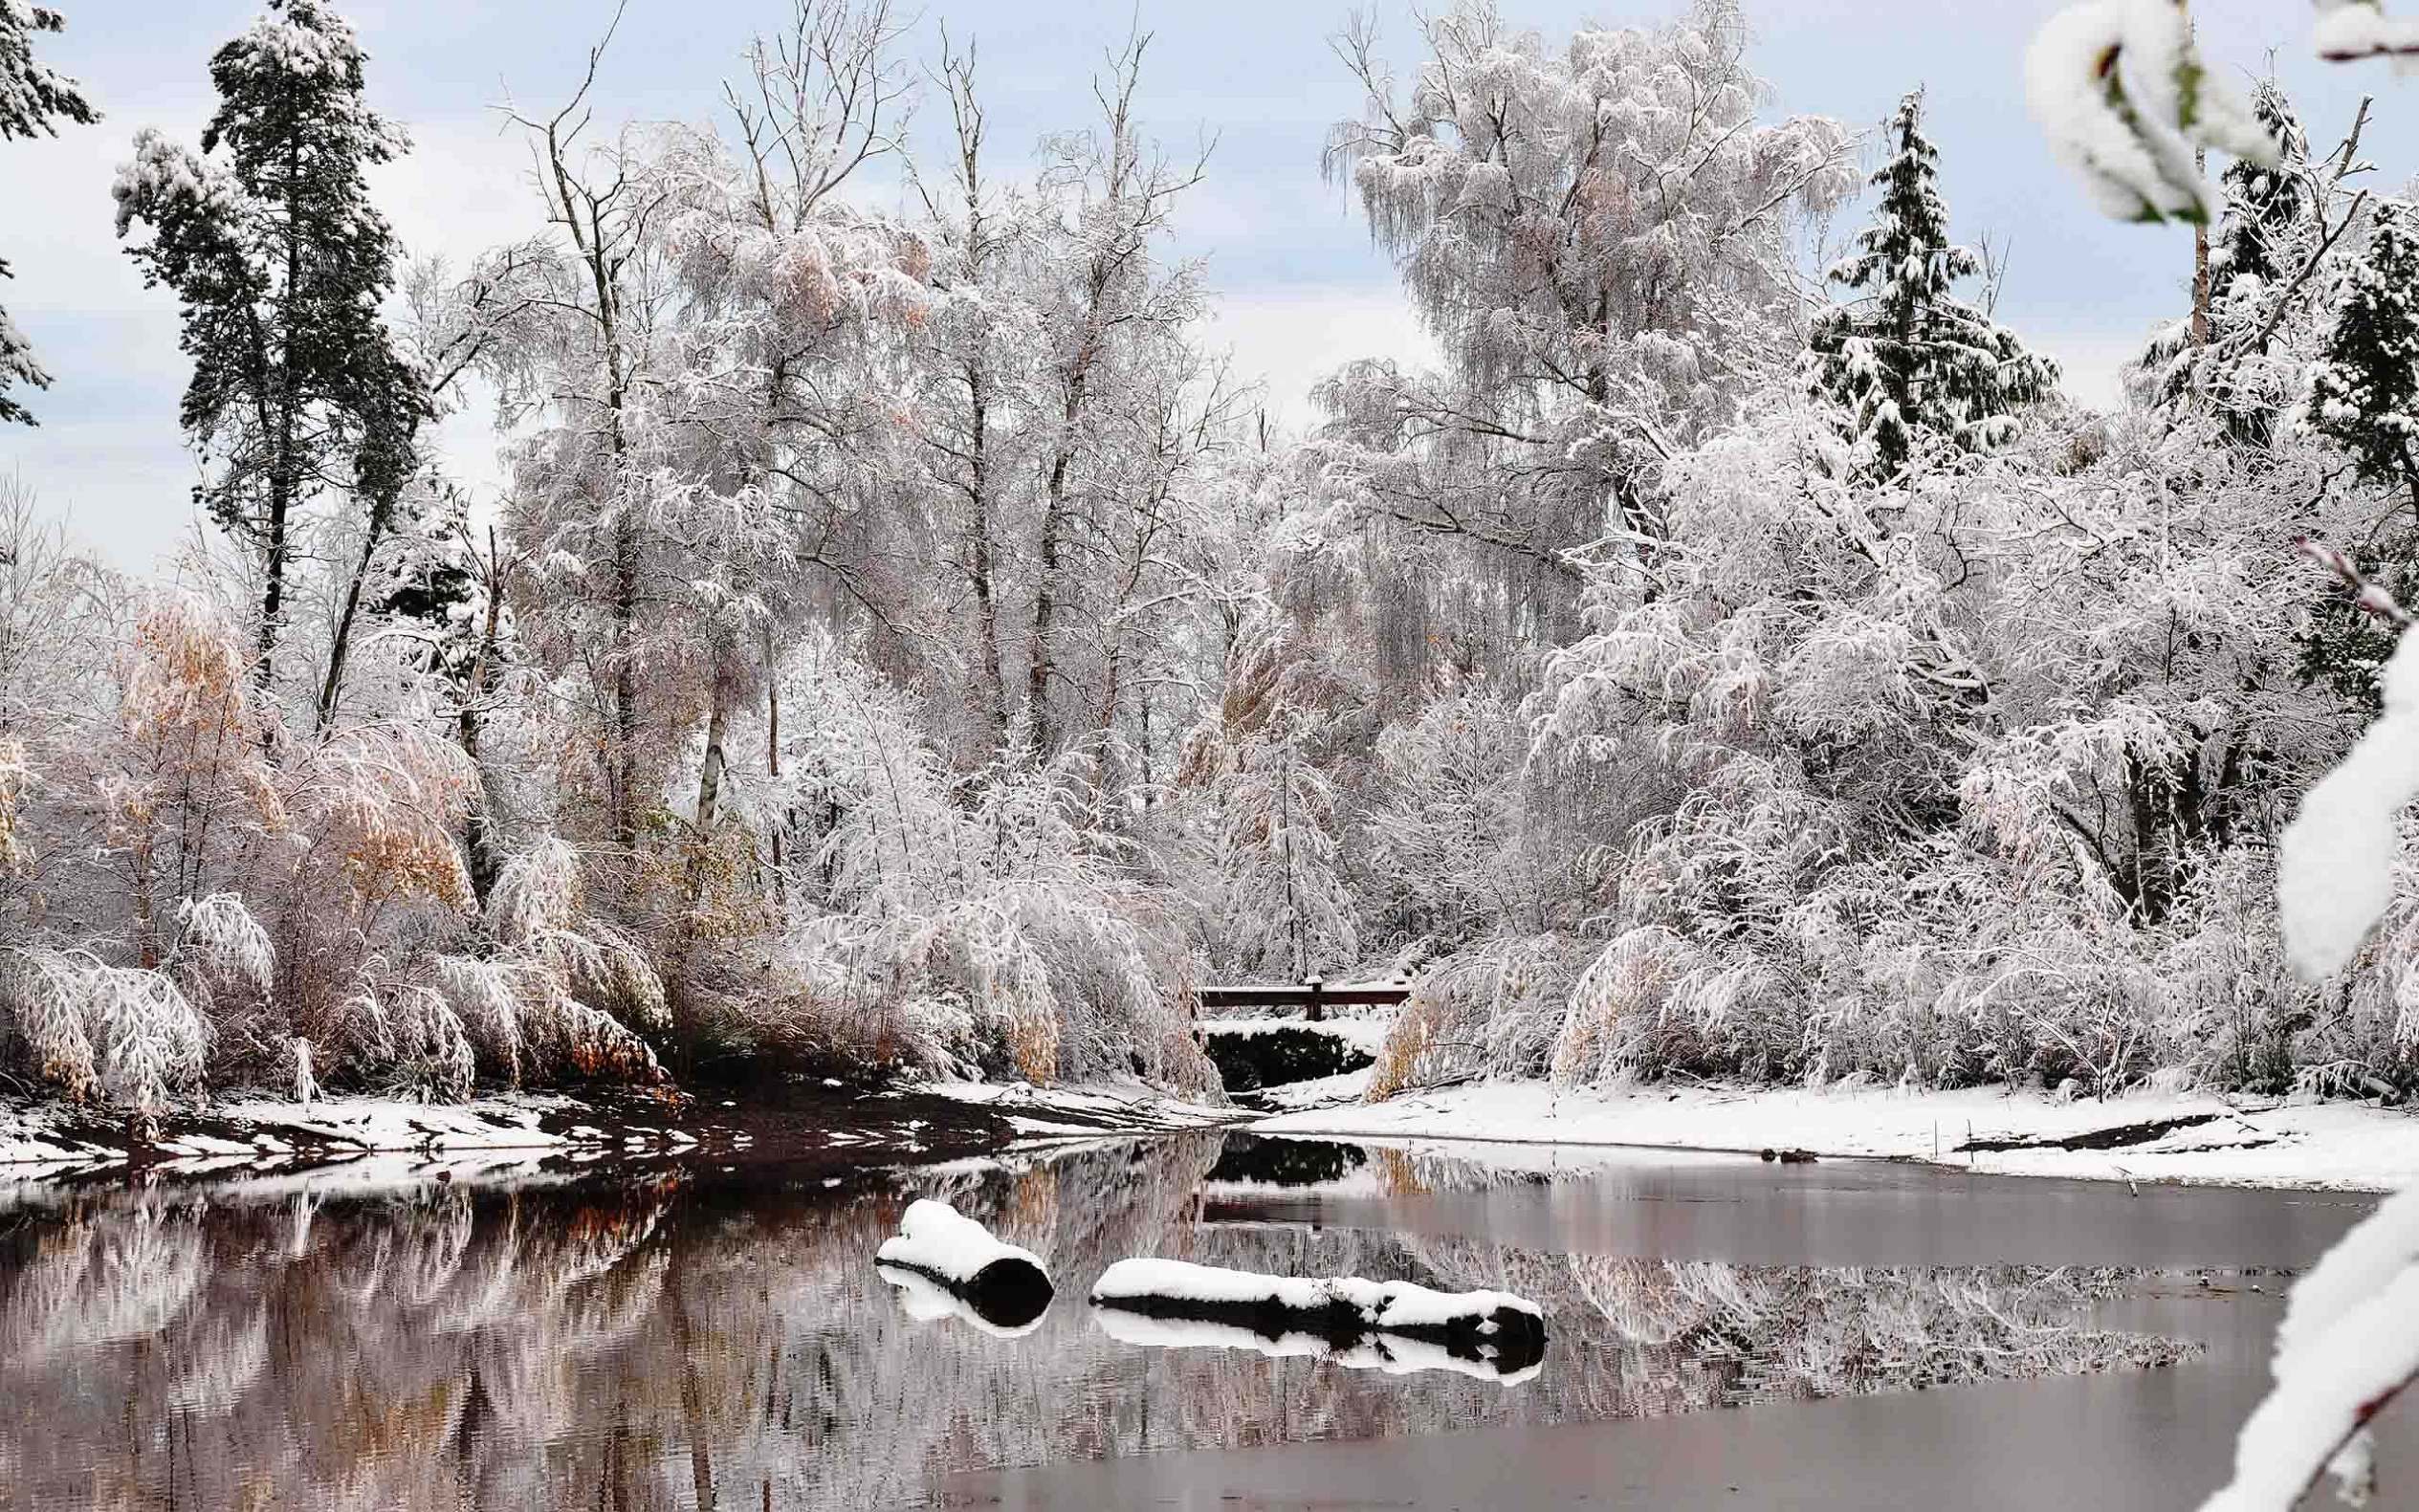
(1078,1111)
(2128,170)
(1326,1091)
(38,1131)
(936,1237)
(2333,1145)
(1365,1035)
(2107,81)
(2350,30)
(2334,863)
(1383,1306)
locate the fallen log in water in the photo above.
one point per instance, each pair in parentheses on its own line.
(1344,1316)
(1002,1286)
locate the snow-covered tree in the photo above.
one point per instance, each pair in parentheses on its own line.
(2364,390)
(1906,358)
(34,96)
(2263,204)
(282,263)
(1599,237)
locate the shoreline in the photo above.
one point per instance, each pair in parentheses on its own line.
(814,1126)
(801,1126)
(2178,1139)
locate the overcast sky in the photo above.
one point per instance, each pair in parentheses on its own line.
(1299,289)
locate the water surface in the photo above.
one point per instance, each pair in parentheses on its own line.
(1722,1332)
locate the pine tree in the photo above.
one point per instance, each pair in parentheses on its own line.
(282,263)
(31,95)
(1908,357)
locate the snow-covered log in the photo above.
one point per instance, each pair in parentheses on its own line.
(1005,1286)
(929,1301)
(1394,1354)
(1344,1313)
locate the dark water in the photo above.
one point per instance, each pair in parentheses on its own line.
(1723,1333)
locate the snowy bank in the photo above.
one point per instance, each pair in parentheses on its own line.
(1002,1284)
(811,1119)
(55,1133)
(2193,1137)
(1344,1312)
(1082,1112)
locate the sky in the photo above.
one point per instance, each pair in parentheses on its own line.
(1300,288)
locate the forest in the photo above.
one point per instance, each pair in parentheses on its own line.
(903,647)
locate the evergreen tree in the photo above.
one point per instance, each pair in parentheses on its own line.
(282,263)
(2365,397)
(2264,205)
(31,95)
(1907,356)
(2365,393)
(2264,233)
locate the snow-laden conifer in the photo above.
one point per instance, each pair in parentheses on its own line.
(1906,358)
(32,96)
(2364,390)
(269,239)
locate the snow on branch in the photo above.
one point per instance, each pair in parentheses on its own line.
(2122,91)
(2345,1350)
(2335,862)
(2348,30)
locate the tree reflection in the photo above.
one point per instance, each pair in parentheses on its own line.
(662,1343)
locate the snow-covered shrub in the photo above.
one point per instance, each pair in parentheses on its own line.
(994,925)
(1489,1011)
(125,1034)
(537,912)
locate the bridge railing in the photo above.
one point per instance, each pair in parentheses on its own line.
(1313,998)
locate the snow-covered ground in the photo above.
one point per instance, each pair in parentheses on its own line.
(55,1133)
(45,1136)
(2186,1137)
(1365,1034)
(1083,1112)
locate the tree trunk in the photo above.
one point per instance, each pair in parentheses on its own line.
(478,831)
(994,691)
(773,758)
(2200,266)
(273,593)
(710,779)
(340,647)
(1043,669)
(624,758)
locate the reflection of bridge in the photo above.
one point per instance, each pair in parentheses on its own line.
(1313,998)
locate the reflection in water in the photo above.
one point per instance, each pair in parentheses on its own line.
(1285,1162)
(655,1343)
(1393,1354)
(927,1300)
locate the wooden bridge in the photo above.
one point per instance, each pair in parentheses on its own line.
(1314,998)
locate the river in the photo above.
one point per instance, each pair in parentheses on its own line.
(1722,1332)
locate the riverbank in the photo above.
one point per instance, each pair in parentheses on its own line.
(802,1124)
(2144,1137)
